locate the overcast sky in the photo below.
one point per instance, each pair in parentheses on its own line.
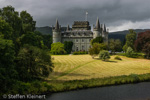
(116,14)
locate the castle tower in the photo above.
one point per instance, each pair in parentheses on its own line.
(56,33)
(105,34)
(68,28)
(97,29)
(103,30)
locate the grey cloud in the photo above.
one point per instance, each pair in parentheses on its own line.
(111,12)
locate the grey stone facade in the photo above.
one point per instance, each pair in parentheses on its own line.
(80,34)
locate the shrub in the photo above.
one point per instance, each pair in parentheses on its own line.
(104,55)
(117,58)
(131,53)
(80,52)
(121,54)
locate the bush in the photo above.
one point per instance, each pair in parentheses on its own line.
(121,54)
(131,53)
(80,52)
(117,58)
(104,55)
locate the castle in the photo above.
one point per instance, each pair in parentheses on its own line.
(80,34)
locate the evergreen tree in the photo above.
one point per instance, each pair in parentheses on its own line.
(68,46)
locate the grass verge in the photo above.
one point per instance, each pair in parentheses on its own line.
(48,87)
(59,86)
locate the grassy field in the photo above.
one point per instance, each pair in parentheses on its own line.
(79,67)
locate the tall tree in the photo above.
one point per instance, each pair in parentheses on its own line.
(12,17)
(5,29)
(7,65)
(115,45)
(27,22)
(31,39)
(47,39)
(96,48)
(68,46)
(33,62)
(143,42)
(130,39)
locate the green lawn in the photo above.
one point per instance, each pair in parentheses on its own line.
(80,67)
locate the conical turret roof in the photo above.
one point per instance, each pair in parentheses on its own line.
(104,28)
(97,24)
(57,24)
(68,28)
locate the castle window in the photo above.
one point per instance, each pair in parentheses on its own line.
(76,48)
(82,47)
(76,40)
(89,40)
(82,40)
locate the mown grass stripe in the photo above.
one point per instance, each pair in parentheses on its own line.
(67,72)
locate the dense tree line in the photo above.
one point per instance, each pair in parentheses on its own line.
(24,53)
(142,43)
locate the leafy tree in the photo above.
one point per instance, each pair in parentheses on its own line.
(27,21)
(68,46)
(142,43)
(130,39)
(47,39)
(146,49)
(33,62)
(17,60)
(104,55)
(5,29)
(115,45)
(20,24)
(7,65)
(12,17)
(31,39)
(97,40)
(96,48)
(57,48)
